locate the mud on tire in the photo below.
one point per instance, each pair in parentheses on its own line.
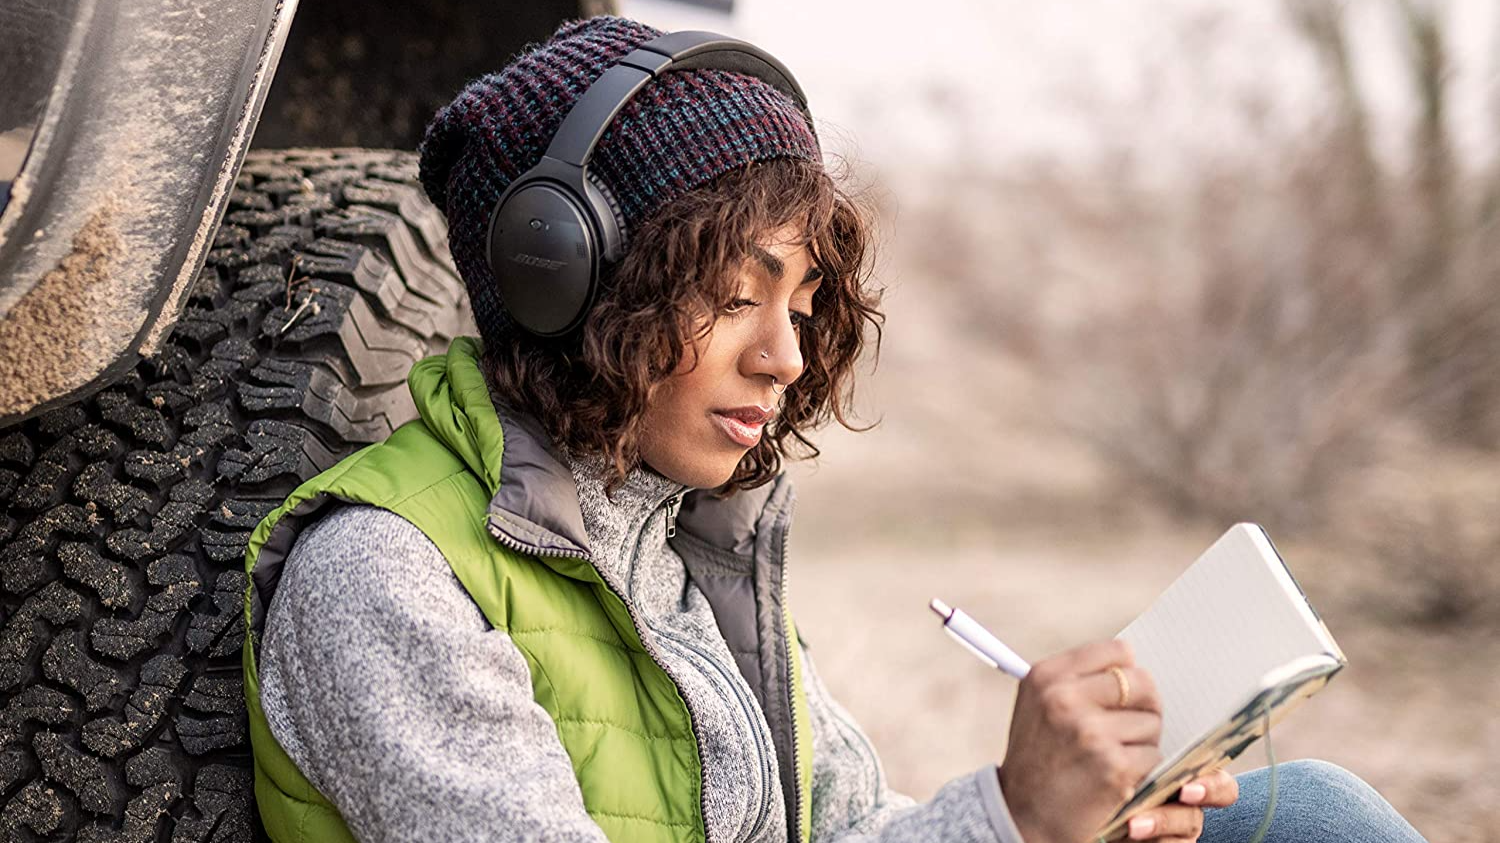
(126,514)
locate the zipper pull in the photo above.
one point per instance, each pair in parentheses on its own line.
(672,504)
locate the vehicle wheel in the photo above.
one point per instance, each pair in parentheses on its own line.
(126,514)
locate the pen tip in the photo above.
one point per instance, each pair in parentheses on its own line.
(942,609)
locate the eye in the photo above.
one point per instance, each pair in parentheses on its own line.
(738,307)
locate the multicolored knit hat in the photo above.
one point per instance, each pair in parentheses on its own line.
(678,132)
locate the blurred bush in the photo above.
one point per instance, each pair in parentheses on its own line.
(1263,331)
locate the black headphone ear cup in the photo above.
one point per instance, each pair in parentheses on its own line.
(541,255)
(613,247)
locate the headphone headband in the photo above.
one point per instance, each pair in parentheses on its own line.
(584,126)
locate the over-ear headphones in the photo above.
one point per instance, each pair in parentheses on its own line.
(556,228)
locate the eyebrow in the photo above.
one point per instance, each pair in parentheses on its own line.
(777,269)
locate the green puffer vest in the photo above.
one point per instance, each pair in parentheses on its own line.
(521,555)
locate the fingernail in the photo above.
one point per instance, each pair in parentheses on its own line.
(1142,827)
(1193,793)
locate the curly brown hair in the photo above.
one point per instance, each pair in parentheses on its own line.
(590,391)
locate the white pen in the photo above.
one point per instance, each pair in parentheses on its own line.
(980,641)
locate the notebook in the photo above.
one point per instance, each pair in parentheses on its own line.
(1231,639)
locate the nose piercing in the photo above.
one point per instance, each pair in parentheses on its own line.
(767,355)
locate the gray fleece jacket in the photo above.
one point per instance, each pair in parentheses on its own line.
(396,699)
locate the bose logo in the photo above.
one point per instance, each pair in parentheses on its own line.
(540,263)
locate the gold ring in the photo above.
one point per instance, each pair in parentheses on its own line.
(1124,685)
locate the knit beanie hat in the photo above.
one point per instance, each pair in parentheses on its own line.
(678,132)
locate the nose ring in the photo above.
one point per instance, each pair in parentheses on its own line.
(767,355)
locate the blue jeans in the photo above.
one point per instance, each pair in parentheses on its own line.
(1316,802)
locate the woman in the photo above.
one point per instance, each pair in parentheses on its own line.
(555,608)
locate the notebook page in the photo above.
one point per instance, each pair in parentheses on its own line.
(1210,637)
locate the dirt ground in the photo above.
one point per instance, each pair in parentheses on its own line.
(960,493)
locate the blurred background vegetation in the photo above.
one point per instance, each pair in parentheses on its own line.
(1295,330)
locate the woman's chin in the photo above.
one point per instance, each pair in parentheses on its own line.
(698,473)
(710,479)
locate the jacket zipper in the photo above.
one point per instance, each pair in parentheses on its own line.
(673,503)
(635,622)
(794,815)
(763,753)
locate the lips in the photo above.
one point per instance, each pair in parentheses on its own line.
(743,425)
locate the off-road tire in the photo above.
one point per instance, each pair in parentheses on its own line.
(126,514)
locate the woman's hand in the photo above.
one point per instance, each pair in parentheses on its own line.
(1182,823)
(1073,754)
